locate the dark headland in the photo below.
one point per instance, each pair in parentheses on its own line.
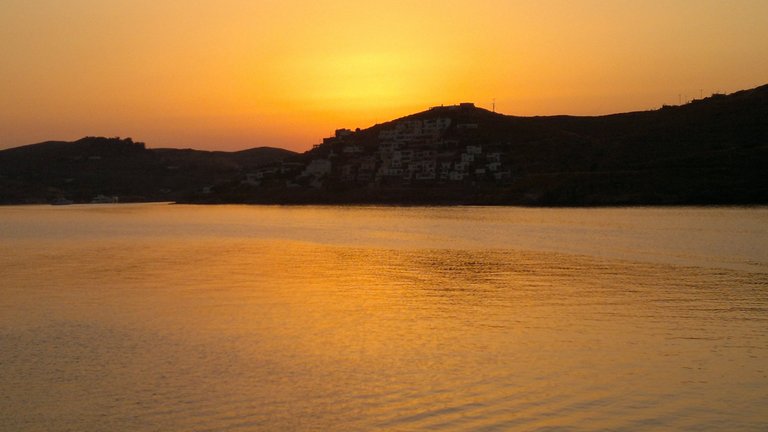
(711,151)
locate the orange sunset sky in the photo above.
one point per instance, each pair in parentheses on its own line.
(234,74)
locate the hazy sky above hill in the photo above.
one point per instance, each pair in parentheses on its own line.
(234,74)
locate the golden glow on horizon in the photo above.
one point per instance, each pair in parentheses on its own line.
(241,73)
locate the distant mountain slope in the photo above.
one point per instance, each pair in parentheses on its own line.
(709,151)
(90,166)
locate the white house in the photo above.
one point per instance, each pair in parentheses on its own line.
(317,168)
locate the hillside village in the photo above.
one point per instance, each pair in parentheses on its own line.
(434,148)
(707,151)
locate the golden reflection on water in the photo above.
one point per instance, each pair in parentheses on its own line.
(184,331)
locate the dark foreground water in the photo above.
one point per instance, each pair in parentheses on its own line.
(182,318)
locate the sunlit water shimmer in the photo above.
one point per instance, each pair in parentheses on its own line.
(182,318)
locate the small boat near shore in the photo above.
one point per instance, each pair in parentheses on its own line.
(103,199)
(62,201)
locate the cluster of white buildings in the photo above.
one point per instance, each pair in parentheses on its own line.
(411,150)
(468,162)
(417,150)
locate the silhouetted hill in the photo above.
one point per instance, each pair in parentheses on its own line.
(709,151)
(91,166)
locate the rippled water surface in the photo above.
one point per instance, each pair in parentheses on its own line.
(182,318)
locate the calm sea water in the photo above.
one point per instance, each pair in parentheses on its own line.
(226,318)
